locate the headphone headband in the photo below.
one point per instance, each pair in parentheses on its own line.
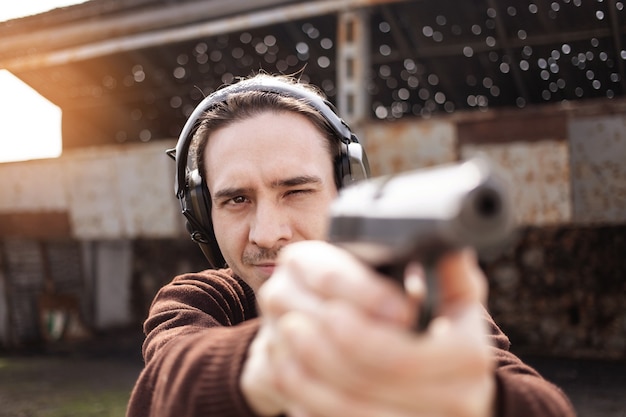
(264,84)
(192,192)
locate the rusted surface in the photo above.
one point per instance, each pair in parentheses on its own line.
(560,291)
(598,160)
(538,174)
(521,126)
(35,225)
(401,146)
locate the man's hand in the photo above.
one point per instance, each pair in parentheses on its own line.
(337,340)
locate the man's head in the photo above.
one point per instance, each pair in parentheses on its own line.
(262,134)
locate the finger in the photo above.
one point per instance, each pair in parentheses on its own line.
(311,345)
(282,294)
(311,397)
(461,281)
(395,354)
(335,274)
(358,370)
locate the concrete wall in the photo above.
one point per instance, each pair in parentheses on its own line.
(103,193)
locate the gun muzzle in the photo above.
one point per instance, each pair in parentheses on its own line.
(421,213)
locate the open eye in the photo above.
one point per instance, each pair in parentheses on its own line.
(238,200)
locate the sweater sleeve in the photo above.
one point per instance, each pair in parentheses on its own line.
(197,337)
(521,391)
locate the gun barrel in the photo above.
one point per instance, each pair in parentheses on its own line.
(422,213)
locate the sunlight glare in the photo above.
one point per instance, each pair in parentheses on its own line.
(31,125)
(23,8)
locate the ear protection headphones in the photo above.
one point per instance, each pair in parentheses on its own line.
(190,188)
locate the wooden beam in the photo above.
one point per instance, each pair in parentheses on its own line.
(121,24)
(179,34)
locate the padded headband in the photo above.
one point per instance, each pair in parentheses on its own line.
(263,84)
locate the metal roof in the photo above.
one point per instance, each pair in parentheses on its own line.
(132,70)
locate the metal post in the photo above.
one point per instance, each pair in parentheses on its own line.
(353,65)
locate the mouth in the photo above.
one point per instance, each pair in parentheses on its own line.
(266,268)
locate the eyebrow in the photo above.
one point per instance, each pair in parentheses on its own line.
(295,181)
(231,192)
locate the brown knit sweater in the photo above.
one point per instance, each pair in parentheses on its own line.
(197,336)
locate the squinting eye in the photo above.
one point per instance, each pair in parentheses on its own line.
(304,191)
(238,200)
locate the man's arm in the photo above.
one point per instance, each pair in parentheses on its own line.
(521,390)
(198,334)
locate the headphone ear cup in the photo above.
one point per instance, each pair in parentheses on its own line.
(201,213)
(199,223)
(354,165)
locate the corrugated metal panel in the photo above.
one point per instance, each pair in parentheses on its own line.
(4,308)
(32,270)
(401,146)
(598,160)
(539,176)
(65,263)
(25,280)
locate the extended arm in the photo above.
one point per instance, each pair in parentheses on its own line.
(196,343)
(340,348)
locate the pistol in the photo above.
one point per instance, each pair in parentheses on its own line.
(417,216)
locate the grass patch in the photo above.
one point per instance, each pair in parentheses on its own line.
(104,404)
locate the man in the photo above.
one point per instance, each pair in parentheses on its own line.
(295,326)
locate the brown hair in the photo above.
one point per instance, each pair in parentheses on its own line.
(246,104)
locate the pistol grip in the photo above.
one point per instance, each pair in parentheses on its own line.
(428,305)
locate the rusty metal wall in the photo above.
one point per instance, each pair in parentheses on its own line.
(539,178)
(560,291)
(598,161)
(24,280)
(36,276)
(404,145)
(4,309)
(538,171)
(127,192)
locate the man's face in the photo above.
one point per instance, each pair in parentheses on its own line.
(271,181)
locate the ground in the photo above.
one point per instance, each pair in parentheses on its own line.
(87,379)
(95,380)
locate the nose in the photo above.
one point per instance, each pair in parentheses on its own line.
(270,226)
